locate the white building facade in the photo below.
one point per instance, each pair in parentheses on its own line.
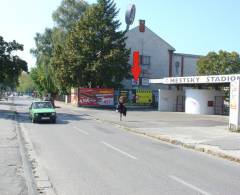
(157,58)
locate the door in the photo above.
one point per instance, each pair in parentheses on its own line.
(180,105)
(219,105)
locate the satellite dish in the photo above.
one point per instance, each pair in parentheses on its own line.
(130,15)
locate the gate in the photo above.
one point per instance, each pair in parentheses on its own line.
(180,104)
(219,105)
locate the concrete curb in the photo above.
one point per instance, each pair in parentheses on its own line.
(42,181)
(26,164)
(38,182)
(212,150)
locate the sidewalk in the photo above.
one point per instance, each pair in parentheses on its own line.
(205,133)
(12,181)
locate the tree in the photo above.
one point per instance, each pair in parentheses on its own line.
(11,66)
(62,70)
(25,83)
(50,43)
(65,17)
(68,13)
(43,74)
(95,50)
(222,62)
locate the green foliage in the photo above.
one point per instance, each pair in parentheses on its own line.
(68,13)
(11,66)
(222,62)
(44,45)
(62,70)
(95,51)
(49,45)
(43,74)
(84,49)
(25,83)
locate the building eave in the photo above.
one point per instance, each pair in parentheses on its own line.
(188,55)
(170,47)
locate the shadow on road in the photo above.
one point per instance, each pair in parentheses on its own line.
(62,118)
(7,114)
(12,104)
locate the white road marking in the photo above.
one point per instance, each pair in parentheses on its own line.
(81,131)
(116,149)
(189,185)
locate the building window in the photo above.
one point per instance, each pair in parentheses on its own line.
(145,72)
(145,60)
(177,66)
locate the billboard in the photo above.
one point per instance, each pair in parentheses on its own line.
(143,96)
(74,96)
(96,97)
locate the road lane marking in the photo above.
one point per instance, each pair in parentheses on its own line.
(188,185)
(81,131)
(120,151)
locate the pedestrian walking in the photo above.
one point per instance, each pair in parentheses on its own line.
(121,108)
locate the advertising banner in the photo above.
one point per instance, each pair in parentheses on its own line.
(124,93)
(74,96)
(96,97)
(143,96)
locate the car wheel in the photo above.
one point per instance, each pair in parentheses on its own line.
(54,121)
(33,120)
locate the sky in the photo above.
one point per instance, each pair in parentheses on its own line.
(190,26)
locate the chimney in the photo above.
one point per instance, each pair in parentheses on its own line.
(142,26)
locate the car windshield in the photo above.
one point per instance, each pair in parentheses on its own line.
(38,105)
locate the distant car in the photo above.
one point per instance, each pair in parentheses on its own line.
(42,111)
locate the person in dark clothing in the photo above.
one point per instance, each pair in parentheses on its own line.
(121,108)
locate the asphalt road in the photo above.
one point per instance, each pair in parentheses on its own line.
(83,156)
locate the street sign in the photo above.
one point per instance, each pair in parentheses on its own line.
(145,81)
(135,82)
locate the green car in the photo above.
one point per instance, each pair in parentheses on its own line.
(42,111)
